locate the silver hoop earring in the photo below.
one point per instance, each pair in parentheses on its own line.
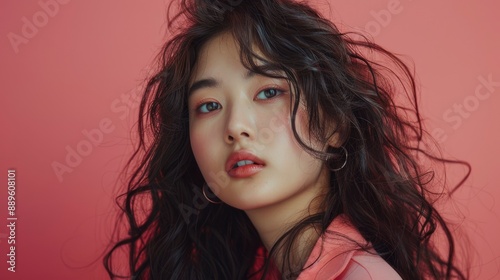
(345,161)
(206,197)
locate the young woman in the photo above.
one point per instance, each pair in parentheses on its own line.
(272,147)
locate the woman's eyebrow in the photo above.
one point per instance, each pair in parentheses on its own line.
(204,83)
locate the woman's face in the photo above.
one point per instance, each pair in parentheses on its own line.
(241,136)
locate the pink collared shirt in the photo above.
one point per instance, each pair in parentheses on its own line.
(337,256)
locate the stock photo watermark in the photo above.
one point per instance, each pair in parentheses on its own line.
(32,25)
(382,18)
(11,220)
(94,137)
(456,115)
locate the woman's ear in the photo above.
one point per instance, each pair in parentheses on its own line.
(332,129)
(333,135)
(334,140)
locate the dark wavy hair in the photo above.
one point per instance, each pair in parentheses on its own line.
(385,190)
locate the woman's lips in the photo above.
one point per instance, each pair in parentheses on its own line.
(243,164)
(245,170)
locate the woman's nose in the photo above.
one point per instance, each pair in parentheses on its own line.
(240,123)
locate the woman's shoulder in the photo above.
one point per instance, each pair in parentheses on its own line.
(367,266)
(337,255)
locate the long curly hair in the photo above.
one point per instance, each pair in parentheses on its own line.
(385,189)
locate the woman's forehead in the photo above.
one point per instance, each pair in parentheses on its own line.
(219,50)
(224,47)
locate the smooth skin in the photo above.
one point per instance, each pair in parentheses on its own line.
(232,110)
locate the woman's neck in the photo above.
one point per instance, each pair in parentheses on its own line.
(273,221)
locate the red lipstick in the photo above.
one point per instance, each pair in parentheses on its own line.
(242,164)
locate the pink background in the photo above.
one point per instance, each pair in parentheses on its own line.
(81,67)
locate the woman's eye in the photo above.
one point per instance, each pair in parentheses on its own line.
(209,107)
(269,93)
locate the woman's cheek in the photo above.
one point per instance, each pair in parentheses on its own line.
(199,143)
(205,144)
